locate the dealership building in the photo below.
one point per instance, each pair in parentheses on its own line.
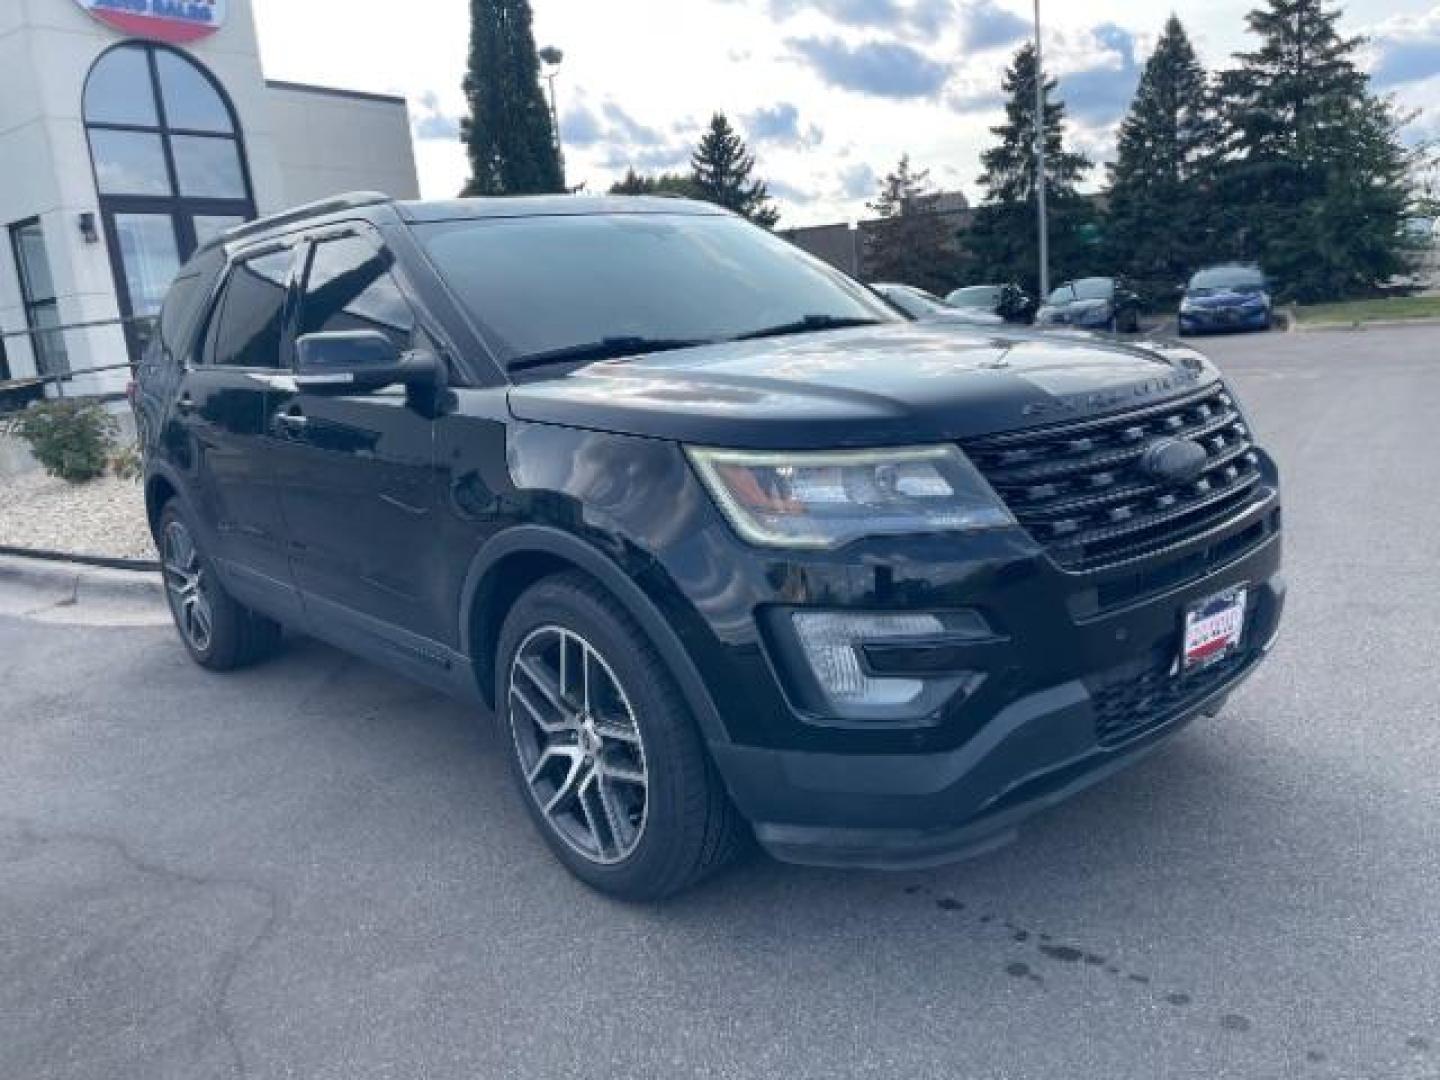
(132,131)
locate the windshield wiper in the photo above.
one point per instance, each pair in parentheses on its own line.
(807,324)
(609,348)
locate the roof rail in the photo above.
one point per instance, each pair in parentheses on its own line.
(348,201)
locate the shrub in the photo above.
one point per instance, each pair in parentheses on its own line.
(126,463)
(73,440)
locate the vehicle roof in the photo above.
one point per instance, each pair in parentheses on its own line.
(366,203)
(513,206)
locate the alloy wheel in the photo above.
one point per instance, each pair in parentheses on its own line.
(186,587)
(579,746)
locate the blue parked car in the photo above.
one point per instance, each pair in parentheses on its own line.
(1226,298)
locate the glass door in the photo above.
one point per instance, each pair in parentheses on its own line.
(146,250)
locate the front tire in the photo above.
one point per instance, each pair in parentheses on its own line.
(608,759)
(217,631)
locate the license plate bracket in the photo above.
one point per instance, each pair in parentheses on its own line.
(1213,628)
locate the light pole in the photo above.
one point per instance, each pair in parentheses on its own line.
(1042,222)
(551,58)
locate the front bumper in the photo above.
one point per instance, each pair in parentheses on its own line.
(896,809)
(1093,319)
(1200,320)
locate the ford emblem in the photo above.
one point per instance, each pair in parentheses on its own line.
(1173,461)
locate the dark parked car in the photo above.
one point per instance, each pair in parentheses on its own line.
(1094,303)
(1226,298)
(780,561)
(927,307)
(1010,302)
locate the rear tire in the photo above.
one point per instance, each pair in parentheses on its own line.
(217,630)
(608,759)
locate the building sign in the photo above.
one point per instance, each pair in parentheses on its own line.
(173,21)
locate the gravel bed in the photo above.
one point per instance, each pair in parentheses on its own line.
(101,517)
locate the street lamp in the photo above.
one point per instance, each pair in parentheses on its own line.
(1042,222)
(551,58)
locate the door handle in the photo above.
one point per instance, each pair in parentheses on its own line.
(292,423)
(185,405)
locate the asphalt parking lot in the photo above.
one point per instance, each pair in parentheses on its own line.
(316,870)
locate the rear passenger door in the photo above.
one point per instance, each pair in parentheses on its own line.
(358,489)
(219,429)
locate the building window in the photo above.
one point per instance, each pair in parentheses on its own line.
(159,126)
(37,294)
(170,169)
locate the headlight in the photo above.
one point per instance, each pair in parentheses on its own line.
(1187,306)
(828,498)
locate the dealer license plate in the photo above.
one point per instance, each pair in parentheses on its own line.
(1213,628)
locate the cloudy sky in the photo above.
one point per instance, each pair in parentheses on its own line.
(830,93)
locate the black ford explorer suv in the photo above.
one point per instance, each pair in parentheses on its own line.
(726,544)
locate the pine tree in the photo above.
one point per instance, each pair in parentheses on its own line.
(909,243)
(720,170)
(509,134)
(1315,174)
(1160,208)
(1002,243)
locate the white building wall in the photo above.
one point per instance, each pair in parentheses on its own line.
(300,144)
(329,142)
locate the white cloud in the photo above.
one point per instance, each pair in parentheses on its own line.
(662,67)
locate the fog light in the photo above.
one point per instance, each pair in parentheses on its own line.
(831,641)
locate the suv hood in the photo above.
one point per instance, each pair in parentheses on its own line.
(874,386)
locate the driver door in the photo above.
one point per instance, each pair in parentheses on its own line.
(358,488)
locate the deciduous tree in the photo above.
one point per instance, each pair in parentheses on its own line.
(665,183)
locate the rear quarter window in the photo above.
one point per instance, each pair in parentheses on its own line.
(183,306)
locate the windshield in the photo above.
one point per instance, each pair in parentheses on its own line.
(542,286)
(982,296)
(1228,277)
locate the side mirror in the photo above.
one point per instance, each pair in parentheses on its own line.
(358,361)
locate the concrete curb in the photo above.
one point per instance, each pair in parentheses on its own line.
(107,561)
(69,592)
(1364,324)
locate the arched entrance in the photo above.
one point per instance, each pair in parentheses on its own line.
(170,166)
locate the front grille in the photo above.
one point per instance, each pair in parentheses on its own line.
(1079,489)
(1130,705)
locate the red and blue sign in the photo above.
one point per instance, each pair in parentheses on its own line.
(173,21)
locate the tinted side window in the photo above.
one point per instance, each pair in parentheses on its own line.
(252,313)
(349,287)
(184,303)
